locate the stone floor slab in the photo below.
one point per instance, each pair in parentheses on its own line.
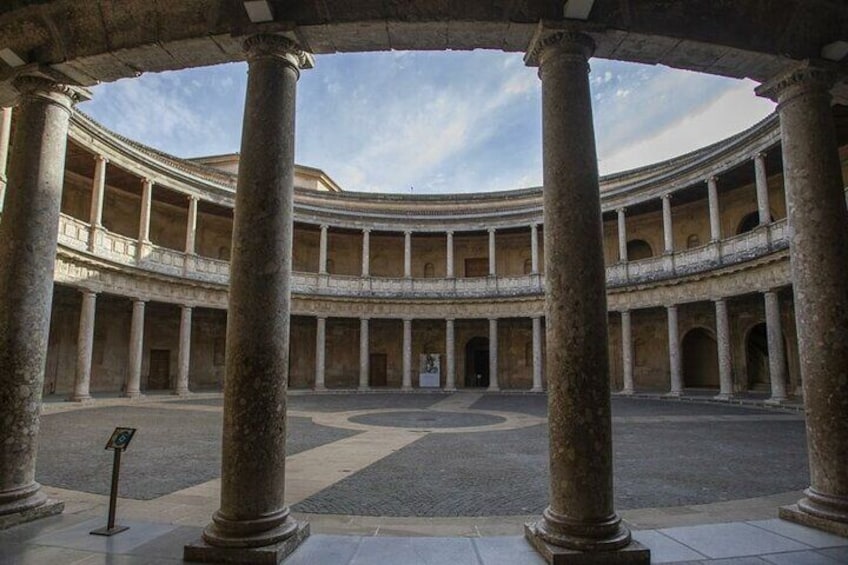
(415,551)
(732,540)
(664,549)
(78,536)
(506,550)
(325,549)
(800,558)
(803,534)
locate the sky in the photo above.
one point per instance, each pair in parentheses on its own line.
(433,122)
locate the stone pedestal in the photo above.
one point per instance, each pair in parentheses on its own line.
(580,521)
(253,524)
(28,236)
(819,246)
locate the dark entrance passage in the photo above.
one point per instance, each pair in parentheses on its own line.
(160,363)
(477,362)
(756,359)
(377,373)
(700,360)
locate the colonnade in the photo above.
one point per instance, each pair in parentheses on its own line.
(253,522)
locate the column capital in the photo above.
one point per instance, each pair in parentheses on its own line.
(759,155)
(364,318)
(671,306)
(407,233)
(621,210)
(553,36)
(40,86)
(187,306)
(805,77)
(102,158)
(147,181)
(265,46)
(667,196)
(450,319)
(83,290)
(320,317)
(449,232)
(366,230)
(324,227)
(491,230)
(712,179)
(192,197)
(136,300)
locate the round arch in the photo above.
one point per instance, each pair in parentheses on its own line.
(749,222)
(639,249)
(700,359)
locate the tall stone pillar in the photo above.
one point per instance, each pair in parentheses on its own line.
(668,228)
(776,351)
(819,250)
(133,385)
(450,355)
(97,196)
(493,269)
(407,254)
(407,355)
(580,516)
(191,225)
(534,248)
(537,354)
(184,355)
(675,360)
(320,352)
(449,273)
(493,355)
(253,523)
(627,352)
(28,235)
(5,134)
(85,346)
(322,251)
(762,189)
(144,218)
(715,217)
(366,252)
(364,352)
(725,361)
(622,234)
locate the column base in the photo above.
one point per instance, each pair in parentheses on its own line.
(181,392)
(365,388)
(406,389)
(628,391)
(632,553)
(780,401)
(536,389)
(319,388)
(819,511)
(723,396)
(82,399)
(202,552)
(673,394)
(133,395)
(493,389)
(25,505)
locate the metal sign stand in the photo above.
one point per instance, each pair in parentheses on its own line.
(118,443)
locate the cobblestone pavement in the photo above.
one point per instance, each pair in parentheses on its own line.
(666,453)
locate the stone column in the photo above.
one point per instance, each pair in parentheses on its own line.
(819,249)
(366,252)
(725,363)
(320,352)
(5,132)
(191,225)
(144,218)
(184,355)
(776,353)
(364,351)
(85,345)
(537,354)
(675,360)
(580,516)
(322,251)
(534,248)
(493,355)
(449,256)
(407,254)
(493,269)
(407,355)
(668,233)
(28,235)
(762,189)
(715,217)
(450,355)
(627,353)
(133,385)
(97,196)
(253,523)
(622,234)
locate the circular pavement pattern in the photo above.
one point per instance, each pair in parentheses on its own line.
(427,419)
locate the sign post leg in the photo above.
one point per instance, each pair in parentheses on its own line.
(111,529)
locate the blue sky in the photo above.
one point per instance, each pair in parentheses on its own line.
(439,122)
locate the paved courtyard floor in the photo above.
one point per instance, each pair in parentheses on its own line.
(372,472)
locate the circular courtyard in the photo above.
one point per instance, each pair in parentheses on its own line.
(434,455)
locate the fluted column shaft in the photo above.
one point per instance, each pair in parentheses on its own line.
(320,352)
(5,134)
(819,251)
(776,351)
(364,352)
(133,385)
(253,512)
(184,355)
(537,354)
(725,361)
(493,354)
(534,249)
(85,346)
(407,355)
(450,355)
(28,236)
(449,273)
(407,254)
(627,352)
(668,228)
(761,176)
(144,216)
(622,234)
(322,251)
(366,253)
(98,189)
(674,358)
(492,250)
(715,217)
(191,225)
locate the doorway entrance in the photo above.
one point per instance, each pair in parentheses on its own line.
(477,362)
(757,359)
(377,374)
(160,365)
(700,360)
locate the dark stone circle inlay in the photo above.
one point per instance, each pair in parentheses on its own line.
(427,420)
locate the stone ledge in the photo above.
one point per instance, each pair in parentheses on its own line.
(50,508)
(793,513)
(634,553)
(202,552)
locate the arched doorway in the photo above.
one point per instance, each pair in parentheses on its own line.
(749,223)
(477,362)
(638,249)
(700,360)
(757,359)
